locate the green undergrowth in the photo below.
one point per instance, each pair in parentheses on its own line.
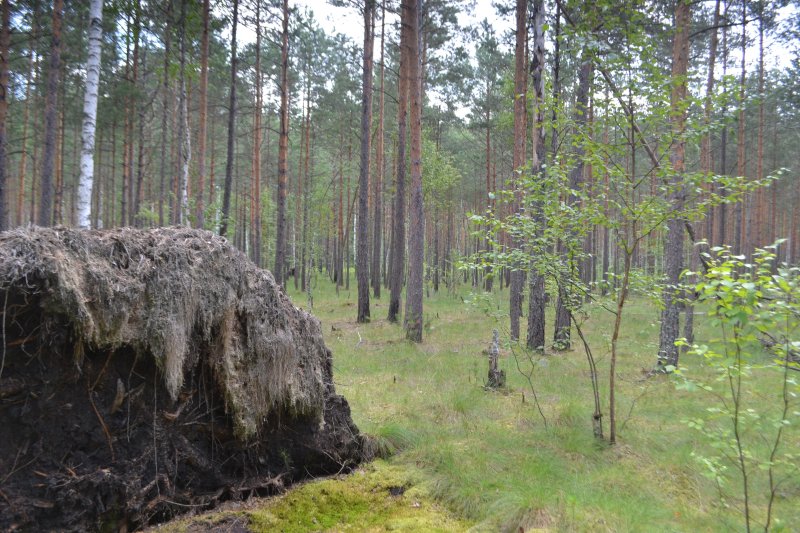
(491,457)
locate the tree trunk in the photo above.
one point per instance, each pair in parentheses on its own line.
(202,126)
(740,140)
(673,246)
(416,236)
(226,197)
(86,180)
(535,338)
(256,188)
(283,152)
(184,139)
(722,222)
(23,160)
(140,159)
(362,233)
(50,118)
(762,235)
(162,193)
(5,44)
(306,279)
(706,162)
(377,197)
(399,223)
(561,337)
(131,71)
(520,137)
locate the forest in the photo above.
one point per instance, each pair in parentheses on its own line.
(553,245)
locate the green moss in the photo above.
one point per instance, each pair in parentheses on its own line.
(377,497)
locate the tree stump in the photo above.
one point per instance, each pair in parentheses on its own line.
(497,377)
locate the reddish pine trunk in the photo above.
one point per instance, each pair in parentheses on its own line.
(5,43)
(673,246)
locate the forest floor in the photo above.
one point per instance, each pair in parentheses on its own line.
(471,458)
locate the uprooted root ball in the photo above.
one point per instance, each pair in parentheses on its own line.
(150,373)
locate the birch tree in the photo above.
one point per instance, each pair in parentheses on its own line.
(86,181)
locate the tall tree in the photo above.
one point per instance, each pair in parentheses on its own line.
(416,235)
(86,180)
(536,302)
(561,337)
(520,129)
(184,137)
(202,128)
(283,151)
(226,195)
(673,245)
(51,118)
(377,185)
(706,162)
(399,223)
(162,193)
(257,111)
(362,233)
(738,237)
(23,160)
(5,44)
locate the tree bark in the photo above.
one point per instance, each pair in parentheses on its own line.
(50,118)
(23,160)
(256,188)
(184,138)
(377,196)
(520,138)
(738,237)
(561,337)
(762,235)
(86,180)
(706,162)
(722,213)
(535,339)
(226,195)
(362,233)
(162,193)
(283,152)
(673,246)
(5,44)
(202,132)
(416,236)
(397,265)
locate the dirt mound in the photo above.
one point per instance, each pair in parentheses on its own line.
(149,373)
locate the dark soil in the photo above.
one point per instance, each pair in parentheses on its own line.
(147,374)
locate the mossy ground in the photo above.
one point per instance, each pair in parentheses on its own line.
(376,497)
(488,458)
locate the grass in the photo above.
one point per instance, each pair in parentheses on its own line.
(487,457)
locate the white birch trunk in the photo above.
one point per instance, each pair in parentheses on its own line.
(186,156)
(86,180)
